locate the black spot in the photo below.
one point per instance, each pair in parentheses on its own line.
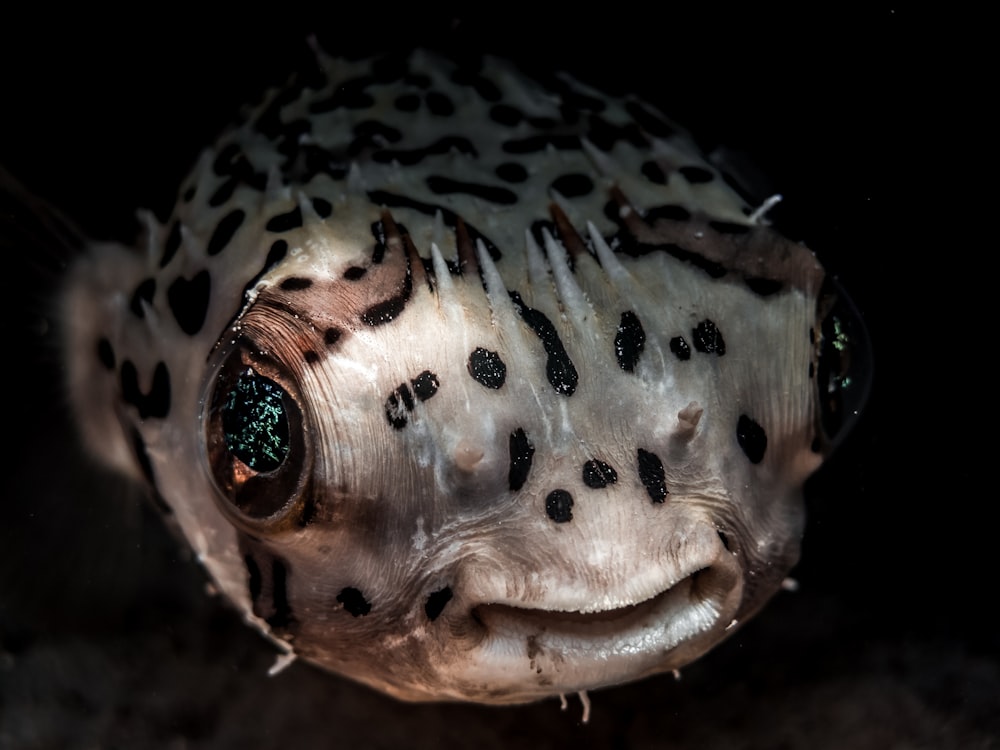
(597,474)
(543,123)
(269,122)
(559,369)
(559,506)
(331,336)
(511,171)
(752,439)
(282,614)
(680,348)
(224,192)
(536,143)
(629,341)
(729,227)
(696,175)
(274,256)
(156,403)
(172,245)
(395,411)
(322,207)
(285,222)
(400,402)
(708,339)
(447,186)
(538,229)
(311,159)
(425,385)
(188,300)
(389,309)
(699,261)
(504,114)
(764,287)
(254,581)
(232,164)
(652,124)
(812,370)
(188,195)
(145,465)
(669,211)
(143,293)
(354,601)
(354,273)
(573,185)
(521,455)
(407,103)
(439,104)
(487,368)
(723,538)
(224,231)
(652,476)
(405,396)
(436,602)
(604,135)
(105,354)
(378,232)
(295,284)
(409,157)
(652,172)
(311,357)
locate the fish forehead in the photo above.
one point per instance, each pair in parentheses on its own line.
(383,243)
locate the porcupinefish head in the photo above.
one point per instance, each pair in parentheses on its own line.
(465,386)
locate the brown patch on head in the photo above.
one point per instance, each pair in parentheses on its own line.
(761,256)
(467,260)
(571,239)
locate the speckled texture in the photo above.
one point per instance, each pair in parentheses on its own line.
(117,647)
(364,371)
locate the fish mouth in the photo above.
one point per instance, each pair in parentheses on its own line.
(529,651)
(695,590)
(690,605)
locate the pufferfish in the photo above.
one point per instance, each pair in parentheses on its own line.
(464,385)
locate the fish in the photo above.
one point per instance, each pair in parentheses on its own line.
(468,385)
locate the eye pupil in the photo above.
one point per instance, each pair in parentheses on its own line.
(254,422)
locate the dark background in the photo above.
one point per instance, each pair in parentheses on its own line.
(863,120)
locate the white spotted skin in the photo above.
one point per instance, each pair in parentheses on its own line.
(366,523)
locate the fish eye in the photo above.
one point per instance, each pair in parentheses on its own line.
(844,376)
(254,422)
(255,439)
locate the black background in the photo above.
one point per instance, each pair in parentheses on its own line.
(863,120)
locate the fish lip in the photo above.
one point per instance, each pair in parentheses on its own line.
(524,652)
(704,589)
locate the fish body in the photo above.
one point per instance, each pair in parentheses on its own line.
(464,385)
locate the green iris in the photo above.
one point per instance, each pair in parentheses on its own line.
(255,423)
